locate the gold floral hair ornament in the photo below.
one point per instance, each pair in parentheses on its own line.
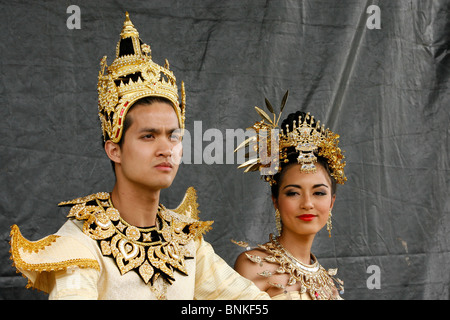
(132,76)
(270,144)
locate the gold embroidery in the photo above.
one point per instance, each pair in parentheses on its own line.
(151,252)
(18,243)
(30,246)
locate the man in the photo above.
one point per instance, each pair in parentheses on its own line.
(124,244)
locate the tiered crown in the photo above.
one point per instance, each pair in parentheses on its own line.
(307,137)
(132,76)
(311,139)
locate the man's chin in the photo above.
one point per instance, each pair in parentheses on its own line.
(167,185)
(161,180)
(164,183)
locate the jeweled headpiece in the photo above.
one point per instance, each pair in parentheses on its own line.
(271,145)
(132,76)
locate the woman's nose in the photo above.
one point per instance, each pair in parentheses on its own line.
(306,202)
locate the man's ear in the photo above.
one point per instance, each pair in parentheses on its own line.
(113,151)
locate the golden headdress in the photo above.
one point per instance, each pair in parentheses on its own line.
(132,76)
(271,145)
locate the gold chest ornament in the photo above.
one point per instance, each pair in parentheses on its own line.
(151,252)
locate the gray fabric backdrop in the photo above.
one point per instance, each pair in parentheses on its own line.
(385,91)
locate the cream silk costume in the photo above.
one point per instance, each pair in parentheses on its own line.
(96,255)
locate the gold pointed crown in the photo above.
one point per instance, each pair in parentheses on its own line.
(132,76)
(308,138)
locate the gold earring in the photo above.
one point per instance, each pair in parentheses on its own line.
(278,221)
(329,225)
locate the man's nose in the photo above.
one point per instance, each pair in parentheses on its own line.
(165,148)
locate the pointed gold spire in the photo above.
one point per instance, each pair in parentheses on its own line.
(128,29)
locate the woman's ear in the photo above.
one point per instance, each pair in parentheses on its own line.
(275,202)
(113,151)
(333,198)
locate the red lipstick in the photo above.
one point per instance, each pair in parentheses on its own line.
(306,217)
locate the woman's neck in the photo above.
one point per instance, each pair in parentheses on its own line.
(297,245)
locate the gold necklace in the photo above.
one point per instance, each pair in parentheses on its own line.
(314,267)
(313,279)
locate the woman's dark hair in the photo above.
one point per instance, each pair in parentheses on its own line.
(292,155)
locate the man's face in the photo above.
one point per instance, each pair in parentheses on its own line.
(151,150)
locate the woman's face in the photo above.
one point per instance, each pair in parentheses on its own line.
(304,200)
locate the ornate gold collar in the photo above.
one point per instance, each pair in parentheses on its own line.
(151,252)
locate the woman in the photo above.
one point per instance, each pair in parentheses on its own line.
(303,190)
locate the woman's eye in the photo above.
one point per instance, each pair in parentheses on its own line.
(291,193)
(320,193)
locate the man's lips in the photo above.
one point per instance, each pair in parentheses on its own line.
(164,166)
(306,217)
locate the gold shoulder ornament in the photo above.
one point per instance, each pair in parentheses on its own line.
(52,253)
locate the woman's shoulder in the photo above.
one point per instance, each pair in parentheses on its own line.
(250,264)
(252,257)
